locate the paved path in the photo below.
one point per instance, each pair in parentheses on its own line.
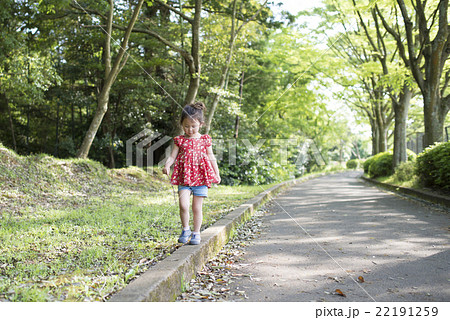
(324,234)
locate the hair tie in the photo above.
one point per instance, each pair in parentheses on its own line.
(199,106)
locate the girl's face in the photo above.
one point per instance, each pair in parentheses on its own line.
(191,127)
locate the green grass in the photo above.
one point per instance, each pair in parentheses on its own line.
(413,183)
(72,230)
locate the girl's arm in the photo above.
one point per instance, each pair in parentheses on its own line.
(213,160)
(171,159)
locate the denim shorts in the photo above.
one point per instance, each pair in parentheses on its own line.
(198,191)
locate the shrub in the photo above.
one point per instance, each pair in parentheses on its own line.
(381,165)
(405,171)
(352,164)
(367,164)
(361,163)
(433,166)
(248,168)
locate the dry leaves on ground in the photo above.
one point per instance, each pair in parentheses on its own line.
(213,282)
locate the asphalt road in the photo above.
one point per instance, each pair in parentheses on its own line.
(339,233)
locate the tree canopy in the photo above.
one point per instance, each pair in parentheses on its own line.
(80,78)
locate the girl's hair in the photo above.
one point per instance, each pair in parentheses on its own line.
(194,111)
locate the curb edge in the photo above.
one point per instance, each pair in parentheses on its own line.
(421,195)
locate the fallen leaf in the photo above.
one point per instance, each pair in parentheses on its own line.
(360,279)
(340,293)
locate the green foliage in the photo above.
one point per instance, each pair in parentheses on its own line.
(367,164)
(55,75)
(248,168)
(405,171)
(381,165)
(361,163)
(352,164)
(433,166)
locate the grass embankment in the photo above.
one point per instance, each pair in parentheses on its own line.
(72,230)
(413,182)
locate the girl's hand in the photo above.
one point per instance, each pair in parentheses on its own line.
(165,171)
(218,179)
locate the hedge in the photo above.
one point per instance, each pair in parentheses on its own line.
(433,166)
(352,164)
(380,165)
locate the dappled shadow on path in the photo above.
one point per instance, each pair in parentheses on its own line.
(324,234)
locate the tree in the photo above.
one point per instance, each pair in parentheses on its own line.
(425,56)
(111,73)
(192,59)
(27,71)
(234,32)
(398,85)
(360,74)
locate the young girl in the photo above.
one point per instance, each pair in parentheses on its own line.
(194,171)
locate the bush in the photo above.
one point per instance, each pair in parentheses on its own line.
(433,166)
(361,163)
(247,169)
(381,165)
(405,171)
(367,164)
(352,164)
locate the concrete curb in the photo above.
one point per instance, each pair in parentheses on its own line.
(422,195)
(164,281)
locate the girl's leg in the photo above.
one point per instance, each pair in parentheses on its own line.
(184,197)
(197,204)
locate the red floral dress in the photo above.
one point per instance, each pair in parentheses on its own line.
(192,166)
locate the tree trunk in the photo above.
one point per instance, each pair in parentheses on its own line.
(241,92)
(375,136)
(195,64)
(383,125)
(194,84)
(57,128)
(401,109)
(434,124)
(224,70)
(11,124)
(382,138)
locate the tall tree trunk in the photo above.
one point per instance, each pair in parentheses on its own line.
(11,123)
(433,122)
(382,138)
(195,64)
(375,136)
(241,92)
(110,77)
(225,68)
(383,123)
(435,56)
(401,109)
(57,128)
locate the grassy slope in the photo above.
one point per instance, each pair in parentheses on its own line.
(73,230)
